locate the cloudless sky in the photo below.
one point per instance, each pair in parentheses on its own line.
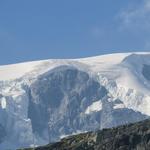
(44,29)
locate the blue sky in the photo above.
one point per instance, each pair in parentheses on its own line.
(36,29)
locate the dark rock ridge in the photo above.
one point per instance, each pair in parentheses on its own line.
(127,137)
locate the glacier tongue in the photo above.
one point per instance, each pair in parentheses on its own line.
(45,100)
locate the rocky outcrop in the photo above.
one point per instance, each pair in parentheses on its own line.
(128,137)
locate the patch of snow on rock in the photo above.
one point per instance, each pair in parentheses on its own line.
(95,107)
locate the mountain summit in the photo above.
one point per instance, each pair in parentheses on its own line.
(43,101)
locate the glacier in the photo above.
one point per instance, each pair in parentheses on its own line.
(42,101)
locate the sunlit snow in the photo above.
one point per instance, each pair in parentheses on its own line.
(96,106)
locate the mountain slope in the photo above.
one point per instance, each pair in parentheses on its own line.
(41,102)
(134,136)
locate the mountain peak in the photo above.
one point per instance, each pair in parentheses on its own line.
(42,101)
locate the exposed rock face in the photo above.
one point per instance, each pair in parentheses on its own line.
(58,101)
(128,137)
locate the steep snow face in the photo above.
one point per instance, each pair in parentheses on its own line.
(45,100)
(131,84)
(125,69)
(136,68)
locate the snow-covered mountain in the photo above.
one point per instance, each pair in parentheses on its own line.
(43,101)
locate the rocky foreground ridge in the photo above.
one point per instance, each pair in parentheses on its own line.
(134,136)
